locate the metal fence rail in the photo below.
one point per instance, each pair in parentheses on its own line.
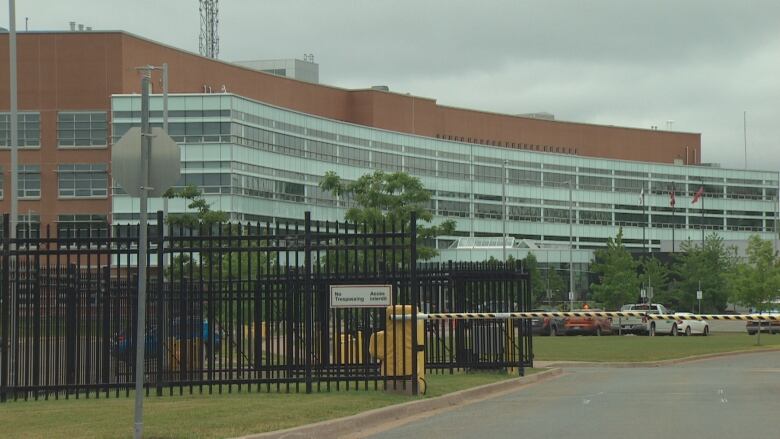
(239,307)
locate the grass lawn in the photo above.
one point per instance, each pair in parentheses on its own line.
(634,348)
(207,416)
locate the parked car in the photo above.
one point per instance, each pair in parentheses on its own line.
(547,325)
(645,326)
(768,326)
(195,328)
(691,326)
(587,325)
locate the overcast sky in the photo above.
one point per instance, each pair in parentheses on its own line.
(619,62)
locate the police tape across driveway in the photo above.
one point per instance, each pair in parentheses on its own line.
(536,314)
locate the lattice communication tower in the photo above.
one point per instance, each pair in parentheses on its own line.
(209,28)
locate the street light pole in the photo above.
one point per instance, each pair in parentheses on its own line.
(140,340)
(163,228)
(503,211)
(571,248)
(14,119)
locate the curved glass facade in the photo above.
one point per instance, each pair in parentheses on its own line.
(257,162)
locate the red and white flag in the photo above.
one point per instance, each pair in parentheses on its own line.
(699,194)
(672,201)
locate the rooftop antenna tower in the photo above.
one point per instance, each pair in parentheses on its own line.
(209,28)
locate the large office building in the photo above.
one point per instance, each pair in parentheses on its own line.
(258,144)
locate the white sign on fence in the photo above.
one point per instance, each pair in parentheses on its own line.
(360,296)
(698,295)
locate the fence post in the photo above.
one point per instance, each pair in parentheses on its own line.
(307,291)
(71,324)
(161,333)
(5,298)
(415,299)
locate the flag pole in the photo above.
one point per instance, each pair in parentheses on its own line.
(644,221)
(674,224)
(702,217)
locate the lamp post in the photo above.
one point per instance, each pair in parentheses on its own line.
(503,211)
(163,229)
(14,213)
(570,183)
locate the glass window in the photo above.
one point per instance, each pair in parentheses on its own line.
(587,182)
(321,151)
(484,210)
(487,173)
(29,130)
(83,180)
(28,226)
(453,170)
(596,217)
(553,179)
(525,213)
(625,185)
(557,215)
(525,177)
(453,208)
(386,161)
(630,219)
(82,129)
(421,166)
(738,192)
(353,156)
(29,181)
(82,226)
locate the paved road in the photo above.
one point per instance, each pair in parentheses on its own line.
(731,397)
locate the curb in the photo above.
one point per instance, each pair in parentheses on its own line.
(659,363)
(351,425)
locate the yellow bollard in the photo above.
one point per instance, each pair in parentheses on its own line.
(393,347)
(509,345)
(351,348)
(249,330)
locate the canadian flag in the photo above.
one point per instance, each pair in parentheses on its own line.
(698,195)
(672,201)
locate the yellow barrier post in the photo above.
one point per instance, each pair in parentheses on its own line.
(393,347)
(509,346)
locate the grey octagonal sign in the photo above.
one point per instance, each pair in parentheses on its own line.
(164,162)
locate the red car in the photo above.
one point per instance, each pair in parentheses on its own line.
(587,325)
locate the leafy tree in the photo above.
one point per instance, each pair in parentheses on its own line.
(709,264)
(617,274)
(656,274)
(555,283)
(202,217)
(756,283)
(531,265)
(386,202)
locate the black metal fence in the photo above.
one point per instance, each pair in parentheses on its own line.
(241,307)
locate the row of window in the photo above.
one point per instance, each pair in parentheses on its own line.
(74,129)
(74,180)
(334,153)
(466,158)
(68,226)
(268,188)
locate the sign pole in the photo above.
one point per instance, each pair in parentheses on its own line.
(140,339)
(699,296)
